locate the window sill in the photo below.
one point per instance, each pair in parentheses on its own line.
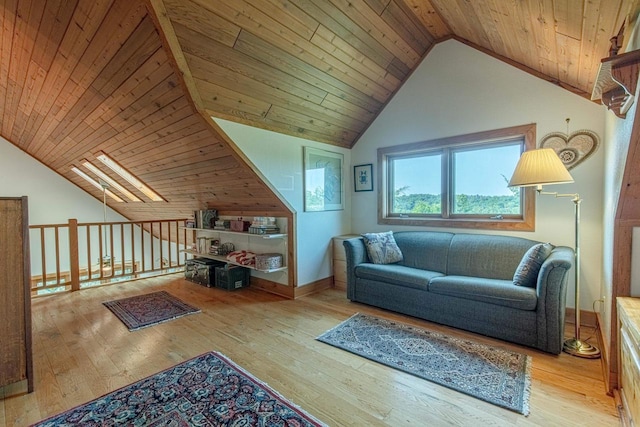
(478,224)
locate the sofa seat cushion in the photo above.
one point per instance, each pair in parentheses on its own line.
(396,275)
(494,291)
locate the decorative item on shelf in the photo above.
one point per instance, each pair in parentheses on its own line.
(242,257)
(222,224)
(264,229)
(263,220)
(205,218)
(226,248)
(617,41)
(239,225)
(268,261)
(264,225)
(203,245)
(214,247)
(574,148)
(209,217)
(190,224)
(543,167)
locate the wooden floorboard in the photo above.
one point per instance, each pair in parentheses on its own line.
(82,351)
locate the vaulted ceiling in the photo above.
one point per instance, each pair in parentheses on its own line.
(139,80)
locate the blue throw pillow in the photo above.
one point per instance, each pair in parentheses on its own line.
(382,248)
(527,272)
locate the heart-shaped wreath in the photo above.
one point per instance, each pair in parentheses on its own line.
(572,149)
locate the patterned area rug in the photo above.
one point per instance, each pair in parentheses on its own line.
(149,309)
(492,374)
(208,390)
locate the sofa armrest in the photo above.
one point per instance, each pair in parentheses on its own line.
(552,295)
(356,253)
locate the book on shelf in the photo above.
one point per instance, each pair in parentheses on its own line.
(264,229)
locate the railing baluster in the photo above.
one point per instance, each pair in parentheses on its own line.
(133,250)
(112,270)
(142,245)
(160,240)
(74,259)
(152,248)
(122,248)
(44,257)
(57,241)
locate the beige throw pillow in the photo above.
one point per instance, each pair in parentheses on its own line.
(382,248)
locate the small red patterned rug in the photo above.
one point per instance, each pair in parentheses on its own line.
(149,309)
(208,390)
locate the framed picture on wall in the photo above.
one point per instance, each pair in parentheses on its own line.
(363,177)
(323,180)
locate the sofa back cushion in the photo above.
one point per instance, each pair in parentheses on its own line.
(426,250)
(489,256)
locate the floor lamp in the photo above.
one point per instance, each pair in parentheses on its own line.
(544,167)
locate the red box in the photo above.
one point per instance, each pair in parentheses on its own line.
(238,225)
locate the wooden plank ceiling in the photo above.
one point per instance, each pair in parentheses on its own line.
(138,80)
(82,77)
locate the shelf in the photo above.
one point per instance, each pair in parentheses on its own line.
(224,258)
(240,233)
(616,82)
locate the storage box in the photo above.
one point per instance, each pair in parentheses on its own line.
(232,277)
(201,271)
(268,261)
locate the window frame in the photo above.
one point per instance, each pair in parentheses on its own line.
(526,222)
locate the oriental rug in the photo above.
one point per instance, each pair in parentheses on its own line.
(208,390)
(149,309)
(488,373)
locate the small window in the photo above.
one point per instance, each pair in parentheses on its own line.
(457,182)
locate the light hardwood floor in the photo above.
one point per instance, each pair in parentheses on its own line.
(82,351)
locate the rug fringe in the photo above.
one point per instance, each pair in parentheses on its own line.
(164,321)
(527,386)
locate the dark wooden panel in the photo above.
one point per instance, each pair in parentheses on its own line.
(15,328)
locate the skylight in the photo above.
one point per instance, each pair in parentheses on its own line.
(96,184)
(111,181)
(117,168)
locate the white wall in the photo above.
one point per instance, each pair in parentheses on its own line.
(459,90)
(52,199)
(280,159)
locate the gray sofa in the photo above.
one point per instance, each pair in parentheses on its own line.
(466,281)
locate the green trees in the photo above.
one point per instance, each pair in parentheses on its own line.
(464,204)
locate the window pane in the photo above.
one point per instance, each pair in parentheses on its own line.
(416,185)
(480,178)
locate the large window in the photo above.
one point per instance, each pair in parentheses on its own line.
(457,182)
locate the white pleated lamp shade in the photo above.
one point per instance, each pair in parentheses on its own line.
(539,167)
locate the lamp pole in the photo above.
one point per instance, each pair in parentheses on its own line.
(575,346)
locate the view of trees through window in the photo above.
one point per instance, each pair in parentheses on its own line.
(476,183)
